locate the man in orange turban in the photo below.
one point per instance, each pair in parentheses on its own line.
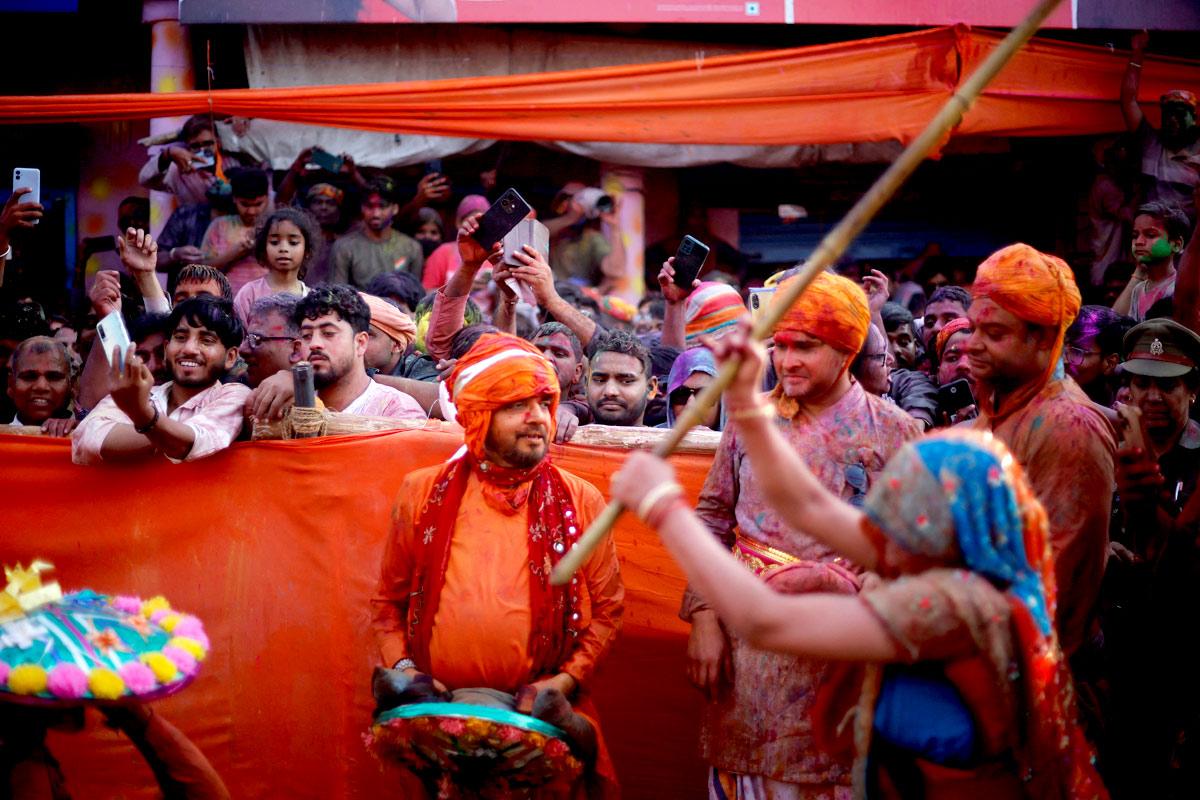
(1024,302)
(465,596)
(757,731)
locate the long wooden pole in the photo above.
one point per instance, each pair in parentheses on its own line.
(827,253)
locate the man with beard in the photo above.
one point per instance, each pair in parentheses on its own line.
(192,416)
(1169,156)
(376,247)
(1024,301)
(465,600)
(333,322)
(621,382)
(39,384)
(757,731)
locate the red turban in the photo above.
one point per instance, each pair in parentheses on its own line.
(499,369)
(833,309)
(1035,287)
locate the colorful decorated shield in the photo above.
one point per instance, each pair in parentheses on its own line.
(86,647)
(483,751)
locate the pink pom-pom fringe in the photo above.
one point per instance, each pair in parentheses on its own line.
(67,681)
(127,604)
(181,658)
(191,628)
(139,678)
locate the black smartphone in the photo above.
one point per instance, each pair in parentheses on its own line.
(955,396)
(501,218)
(689,258)
(433,167)
(326,160)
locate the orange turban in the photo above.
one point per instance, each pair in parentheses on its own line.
(833,309)
(954,326)
(498,369)
(391,321)
(1035,287)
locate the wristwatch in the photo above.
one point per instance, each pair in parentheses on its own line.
(405,663)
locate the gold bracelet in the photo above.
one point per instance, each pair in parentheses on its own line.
(753,411)
(652,497)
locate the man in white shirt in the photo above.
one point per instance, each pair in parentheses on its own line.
(192,416)
(334,322)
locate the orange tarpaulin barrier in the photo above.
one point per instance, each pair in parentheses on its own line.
(868,90)
(276,546)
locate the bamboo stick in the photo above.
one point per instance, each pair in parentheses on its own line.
(827,253)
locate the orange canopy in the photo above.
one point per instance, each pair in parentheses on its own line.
(277,546)
(869,90)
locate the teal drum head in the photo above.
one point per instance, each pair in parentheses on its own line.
(93,648)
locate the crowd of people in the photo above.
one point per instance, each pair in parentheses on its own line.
(963,501)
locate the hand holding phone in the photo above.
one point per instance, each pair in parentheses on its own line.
(501,218)
(114,338)
(955,396)
(18,214)
(325,160)
(30,179)
(689,259)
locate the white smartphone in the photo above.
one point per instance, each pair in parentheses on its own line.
(526,232)
(114,338)
(28,178)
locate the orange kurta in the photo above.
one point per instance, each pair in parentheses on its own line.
(481,631)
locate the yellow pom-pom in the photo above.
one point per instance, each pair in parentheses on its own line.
(158,603)
(190,645)
(105,684)
(169,622)
(163,668)
(27,679)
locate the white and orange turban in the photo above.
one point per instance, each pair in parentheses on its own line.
(498,369)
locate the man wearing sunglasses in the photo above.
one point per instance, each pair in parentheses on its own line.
(188,167)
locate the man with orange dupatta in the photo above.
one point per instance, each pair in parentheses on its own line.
(1024,302)
(756,733)
(465,599)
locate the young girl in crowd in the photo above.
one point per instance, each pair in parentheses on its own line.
(285,244)
(953,682)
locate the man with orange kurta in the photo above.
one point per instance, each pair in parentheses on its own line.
(465,599)
(1024,302)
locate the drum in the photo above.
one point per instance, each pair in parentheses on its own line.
(476,750)
(86,648)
